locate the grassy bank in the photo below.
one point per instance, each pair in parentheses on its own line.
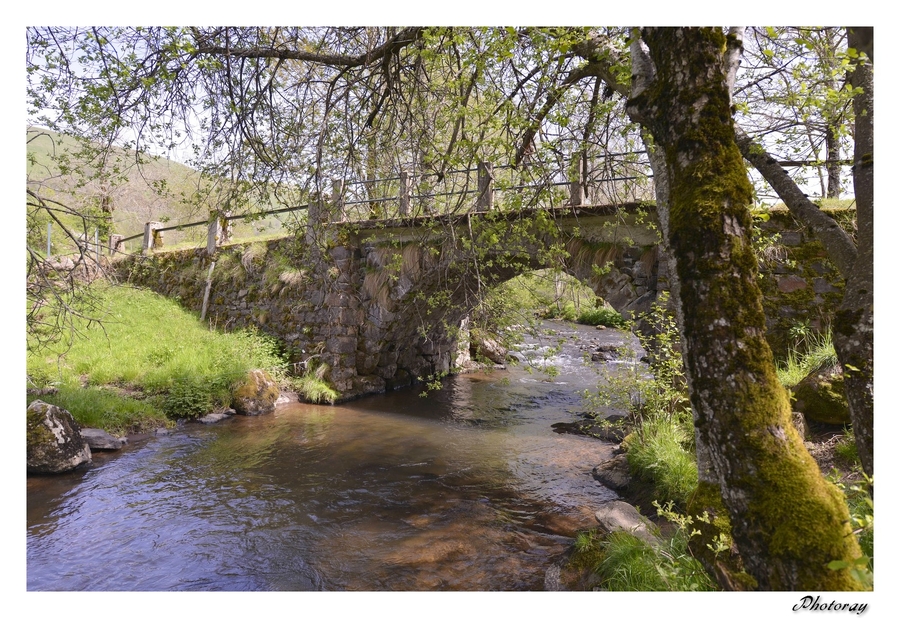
(659,452)
(147,362)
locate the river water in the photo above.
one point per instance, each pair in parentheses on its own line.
(468,488)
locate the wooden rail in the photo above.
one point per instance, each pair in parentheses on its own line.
(335,208)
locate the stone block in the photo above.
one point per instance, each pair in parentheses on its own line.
(341,345)
(791,283)
(341,253)
(345,316)
(791,239)
(822,286)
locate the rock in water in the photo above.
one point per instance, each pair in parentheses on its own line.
(99,440)
(605,352)
(614,473)
(54,440)
(256,394)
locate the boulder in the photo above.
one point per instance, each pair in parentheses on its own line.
(617,515)
(820,397)
(487,347)
(54,440)
(99,440)
(614,473)
(255,394)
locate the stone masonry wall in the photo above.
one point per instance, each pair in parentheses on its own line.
(356,312)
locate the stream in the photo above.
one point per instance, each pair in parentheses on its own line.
(467,488)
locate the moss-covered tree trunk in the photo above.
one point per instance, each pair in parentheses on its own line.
(787,521)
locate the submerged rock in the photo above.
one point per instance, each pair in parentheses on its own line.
(213,417)
(54,440)
(604,353)
(614,473)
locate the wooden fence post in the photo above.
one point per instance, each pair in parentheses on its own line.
(485,187)
(337,200)
(219,231)
(212,236)
(404,194)
(115,243)
(152,237)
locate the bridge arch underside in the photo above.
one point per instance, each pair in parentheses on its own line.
(417,297)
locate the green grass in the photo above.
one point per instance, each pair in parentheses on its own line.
(659,452)
(148,344)
(313,389)
(106,409)
(817,353)
(601,316)
(627,563)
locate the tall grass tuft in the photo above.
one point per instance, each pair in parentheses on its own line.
(660,451)
(818,352)
(631,564)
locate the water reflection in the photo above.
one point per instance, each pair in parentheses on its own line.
(467,489)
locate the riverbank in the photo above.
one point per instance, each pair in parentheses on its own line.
(145,363)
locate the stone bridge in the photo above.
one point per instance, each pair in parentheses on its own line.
(383,303)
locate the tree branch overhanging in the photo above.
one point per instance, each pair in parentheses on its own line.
(839,245)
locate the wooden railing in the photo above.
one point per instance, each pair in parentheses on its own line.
(392,198)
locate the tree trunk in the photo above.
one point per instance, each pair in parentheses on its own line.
(854,321)
(833,167)
(787,521)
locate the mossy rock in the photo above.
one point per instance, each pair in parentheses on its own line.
(820,397)
(54,440)
(255,394)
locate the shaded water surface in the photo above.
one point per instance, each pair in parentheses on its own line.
(467,489)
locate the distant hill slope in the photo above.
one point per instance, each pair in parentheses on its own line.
(135,200)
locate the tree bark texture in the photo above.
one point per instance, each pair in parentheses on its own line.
(854,321)
(787,521)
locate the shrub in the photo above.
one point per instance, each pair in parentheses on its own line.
(602,316)
(187,399)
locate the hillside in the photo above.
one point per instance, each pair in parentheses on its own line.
(156,190)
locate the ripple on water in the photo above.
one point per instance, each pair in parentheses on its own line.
(467,489)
